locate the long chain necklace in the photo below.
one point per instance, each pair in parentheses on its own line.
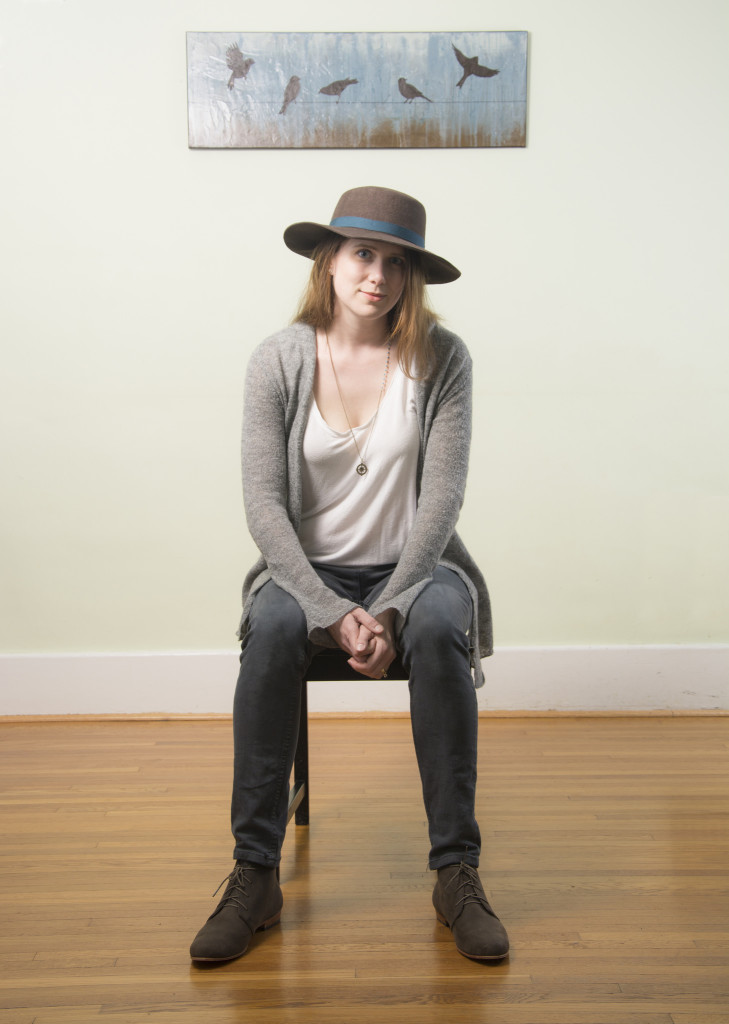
(361,465)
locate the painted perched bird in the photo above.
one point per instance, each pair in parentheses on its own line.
(409,91)
(338,87)
(291,92)
(471,66)
(238,66)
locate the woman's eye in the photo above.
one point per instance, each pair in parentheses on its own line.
(363,253)
(397,261)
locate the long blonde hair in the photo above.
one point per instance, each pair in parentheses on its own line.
(409,321)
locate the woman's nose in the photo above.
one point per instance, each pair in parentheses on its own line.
(377,270)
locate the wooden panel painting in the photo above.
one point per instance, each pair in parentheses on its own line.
(269,90)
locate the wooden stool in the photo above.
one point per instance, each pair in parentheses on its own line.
(330,665)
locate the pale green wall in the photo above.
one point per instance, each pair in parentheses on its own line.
(139,274)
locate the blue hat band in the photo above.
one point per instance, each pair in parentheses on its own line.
(379,225)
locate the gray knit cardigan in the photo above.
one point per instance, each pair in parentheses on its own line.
(278,396)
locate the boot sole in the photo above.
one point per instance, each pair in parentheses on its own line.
(470,956)
(225,959)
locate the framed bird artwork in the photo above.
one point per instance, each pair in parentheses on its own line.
(356,90)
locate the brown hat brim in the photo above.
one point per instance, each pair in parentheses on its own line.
(304,237)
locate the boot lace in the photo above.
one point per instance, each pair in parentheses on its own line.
(236,893)
(468,888)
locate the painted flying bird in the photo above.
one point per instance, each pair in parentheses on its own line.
(291,92)
(471,66)
(338,87)
(238,66)
(409,91)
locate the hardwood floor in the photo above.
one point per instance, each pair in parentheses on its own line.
(606,852)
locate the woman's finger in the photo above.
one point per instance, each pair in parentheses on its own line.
(365,619)
(364,639)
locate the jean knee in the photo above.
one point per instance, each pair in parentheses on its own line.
(276,617)
(440,610)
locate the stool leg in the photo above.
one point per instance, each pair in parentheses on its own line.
(301,759)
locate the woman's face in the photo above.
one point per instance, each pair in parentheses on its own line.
(368,277)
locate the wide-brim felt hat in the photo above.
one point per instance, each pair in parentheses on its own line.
(377,213)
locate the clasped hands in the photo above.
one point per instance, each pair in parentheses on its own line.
(368,639)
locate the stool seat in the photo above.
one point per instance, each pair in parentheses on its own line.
(329,665)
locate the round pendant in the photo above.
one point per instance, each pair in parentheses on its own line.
(361,469)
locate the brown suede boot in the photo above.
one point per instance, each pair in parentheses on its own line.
(252,901)
(461,905)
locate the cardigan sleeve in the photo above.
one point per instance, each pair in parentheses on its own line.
(445,454)
(267,428)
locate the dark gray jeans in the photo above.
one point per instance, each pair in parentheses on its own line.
(434,648)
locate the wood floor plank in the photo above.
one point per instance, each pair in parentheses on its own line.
(699,1017)
(378,1014)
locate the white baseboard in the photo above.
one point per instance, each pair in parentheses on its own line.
(583,679)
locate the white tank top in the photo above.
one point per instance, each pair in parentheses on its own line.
(361,520)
